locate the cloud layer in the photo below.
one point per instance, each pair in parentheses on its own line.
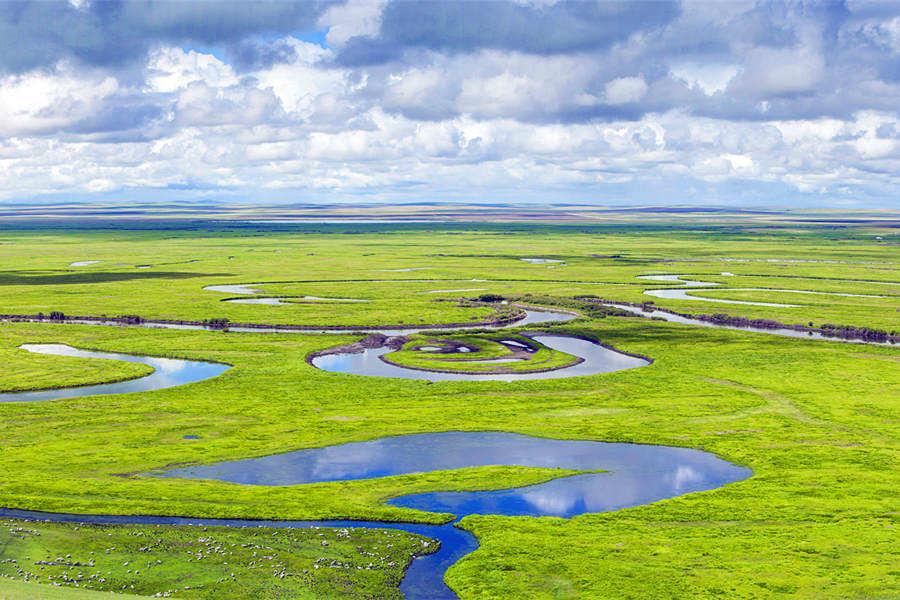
(608,102)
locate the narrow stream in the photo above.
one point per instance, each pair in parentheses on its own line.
(667,316)
(170,372)
(690,288)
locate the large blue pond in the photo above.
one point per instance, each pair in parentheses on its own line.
(635,475)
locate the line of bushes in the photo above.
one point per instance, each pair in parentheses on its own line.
(846,332)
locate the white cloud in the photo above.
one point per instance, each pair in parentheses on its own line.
(771,72)
(716,97)
(299,83)
(710,78)
(44,102)
(170,69)
(883,33)
(354,18)
(625,89)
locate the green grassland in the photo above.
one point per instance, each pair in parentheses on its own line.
(219,562)
(818,422)
(22,590)
(341,261)
(21,370)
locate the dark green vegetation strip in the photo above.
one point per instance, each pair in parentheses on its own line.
(819,423)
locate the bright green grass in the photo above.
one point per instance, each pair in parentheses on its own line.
(203,562)
(20,590)
(22,370)
(172,288)
(818,422)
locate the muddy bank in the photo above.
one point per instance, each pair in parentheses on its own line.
(376,340)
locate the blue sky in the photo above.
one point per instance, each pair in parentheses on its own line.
(691,102)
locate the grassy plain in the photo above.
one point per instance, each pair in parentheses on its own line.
(22,590)
(217,562)
(818,422)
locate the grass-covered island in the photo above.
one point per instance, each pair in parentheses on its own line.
(495,353)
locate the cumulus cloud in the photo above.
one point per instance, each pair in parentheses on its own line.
(115,32)
(770,72)
(625,89)
(587,101)
(536,28)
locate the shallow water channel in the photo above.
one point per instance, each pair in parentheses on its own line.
(597,359)
(672,318)
(168,372)
(690,288)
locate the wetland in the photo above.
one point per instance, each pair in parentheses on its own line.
(508,482)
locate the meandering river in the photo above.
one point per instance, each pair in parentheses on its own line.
(167,372)
(634,475)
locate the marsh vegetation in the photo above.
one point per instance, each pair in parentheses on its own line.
(816,519)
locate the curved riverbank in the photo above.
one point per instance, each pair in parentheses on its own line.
(225,324)
(596,359)
(167,372)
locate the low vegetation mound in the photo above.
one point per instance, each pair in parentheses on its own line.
(499,353)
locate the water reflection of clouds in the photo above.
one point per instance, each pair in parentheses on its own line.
(597,359)
(578,494)
(637,474)
(167,372)
(351,461)
(549,502)
(686,477)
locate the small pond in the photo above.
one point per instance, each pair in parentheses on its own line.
(541,261)
(269,301)
(84,263)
